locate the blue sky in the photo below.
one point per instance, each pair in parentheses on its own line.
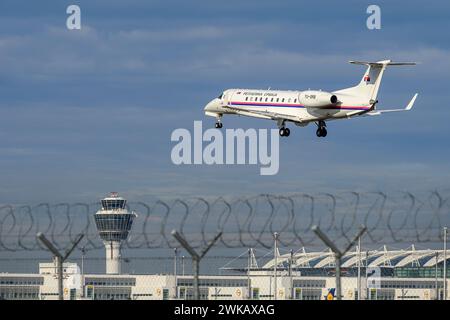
(91,111)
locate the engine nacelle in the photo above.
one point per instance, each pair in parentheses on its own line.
(317,99)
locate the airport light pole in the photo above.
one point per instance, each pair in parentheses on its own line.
(291,279)
(83,252)
(196,258)
(182,265)
(59,258)
(445,263)
(249,262)
(359,269)
(436,274)
(175,251)
(275,254)
(337,253)
(366,291)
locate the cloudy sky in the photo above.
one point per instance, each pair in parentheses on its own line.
(85,112)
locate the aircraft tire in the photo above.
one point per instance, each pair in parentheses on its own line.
(319,133)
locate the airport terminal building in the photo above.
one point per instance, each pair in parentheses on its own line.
(399,275)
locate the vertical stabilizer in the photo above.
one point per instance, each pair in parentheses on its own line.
(369,85)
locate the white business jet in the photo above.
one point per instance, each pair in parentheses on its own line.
(303,107)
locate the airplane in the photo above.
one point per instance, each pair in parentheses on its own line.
(304,107)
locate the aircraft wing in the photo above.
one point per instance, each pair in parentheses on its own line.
(265,114)
(379,112)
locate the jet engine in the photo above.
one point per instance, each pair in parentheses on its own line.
(317,99)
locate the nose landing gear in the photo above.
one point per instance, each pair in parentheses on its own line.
(321,129)
(219,124)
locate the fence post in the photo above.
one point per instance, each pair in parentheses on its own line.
(195,257)
(337,254)
(59,258)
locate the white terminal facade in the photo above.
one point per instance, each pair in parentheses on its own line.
(405,274)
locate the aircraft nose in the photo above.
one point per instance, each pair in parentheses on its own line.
(212,105)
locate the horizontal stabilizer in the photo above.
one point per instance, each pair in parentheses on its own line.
(383,63)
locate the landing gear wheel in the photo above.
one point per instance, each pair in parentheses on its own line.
(282,132)
(287,132)
(319,133)
(219,125)
(321,129)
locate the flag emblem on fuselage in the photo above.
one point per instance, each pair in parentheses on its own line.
(367,78)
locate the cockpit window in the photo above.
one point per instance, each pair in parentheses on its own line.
(220,97)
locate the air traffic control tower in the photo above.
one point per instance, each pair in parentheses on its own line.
(113,222)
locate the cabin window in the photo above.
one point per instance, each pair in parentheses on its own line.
(295,100)
(278,99)
(271,100)
(267,99)
(282,100)
(260,99)
(246,98)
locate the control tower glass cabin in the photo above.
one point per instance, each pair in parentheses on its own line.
(113,223)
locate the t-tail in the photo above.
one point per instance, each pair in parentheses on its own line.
(371,80)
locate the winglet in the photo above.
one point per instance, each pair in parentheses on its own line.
(411,103)
(379,112)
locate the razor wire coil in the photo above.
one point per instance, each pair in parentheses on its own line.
(245,221)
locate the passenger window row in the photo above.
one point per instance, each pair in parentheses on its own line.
(288,100)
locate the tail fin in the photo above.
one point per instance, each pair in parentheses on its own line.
(370,82)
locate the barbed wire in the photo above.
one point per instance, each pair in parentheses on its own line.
(401,217)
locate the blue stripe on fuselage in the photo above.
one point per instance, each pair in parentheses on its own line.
(294,106)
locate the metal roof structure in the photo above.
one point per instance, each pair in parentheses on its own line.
(410,257)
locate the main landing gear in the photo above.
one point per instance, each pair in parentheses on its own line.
(285,132)
(321,129)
